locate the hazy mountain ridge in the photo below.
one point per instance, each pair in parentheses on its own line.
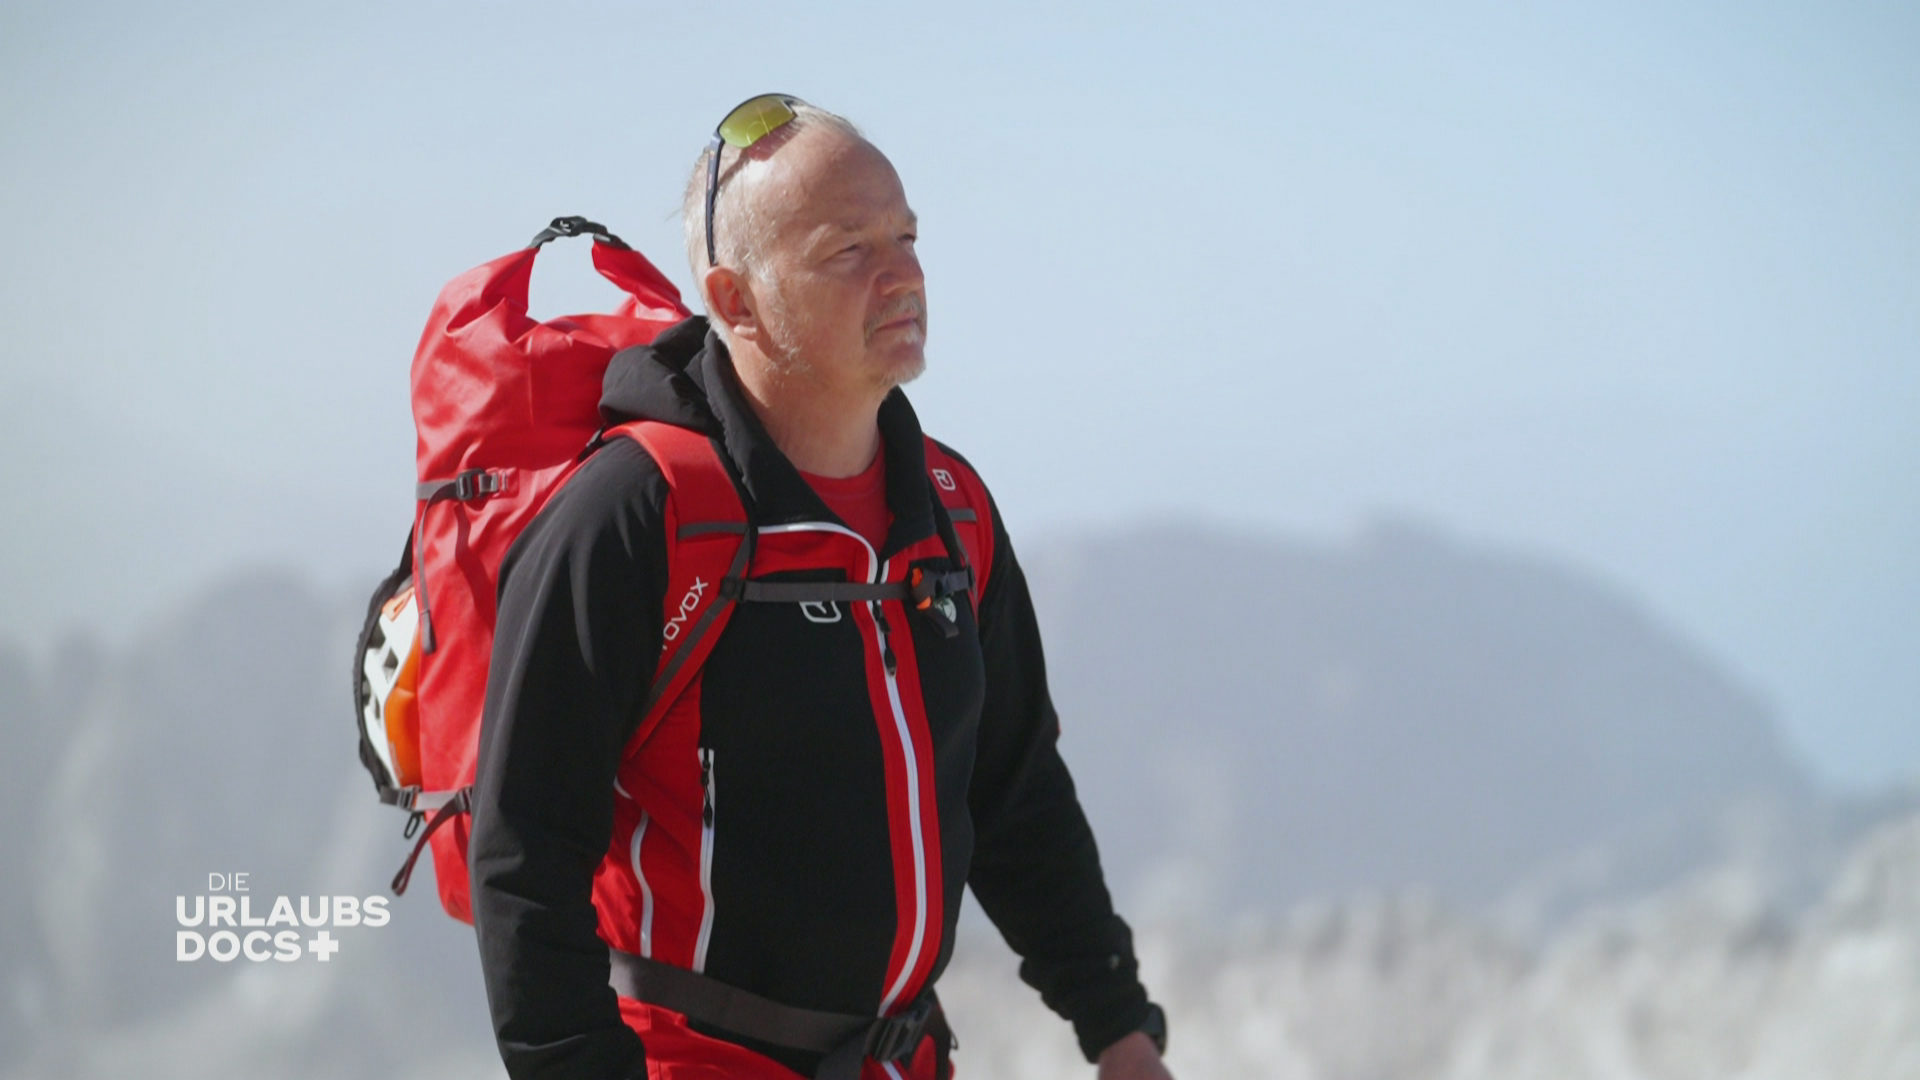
(221,740)
(1399,711)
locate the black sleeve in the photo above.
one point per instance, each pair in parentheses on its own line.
(578,626)
(1036,870)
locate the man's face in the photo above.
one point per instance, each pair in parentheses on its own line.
(842,297)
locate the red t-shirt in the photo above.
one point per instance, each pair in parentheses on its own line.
(859,500)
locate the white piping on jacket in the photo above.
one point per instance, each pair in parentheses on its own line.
(646,891)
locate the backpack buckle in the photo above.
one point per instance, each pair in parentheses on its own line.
(463,486)
(924,588)
(929,595)
(896,1036)
(473,483)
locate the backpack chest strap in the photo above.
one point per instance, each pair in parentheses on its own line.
(922,592)
(918,591)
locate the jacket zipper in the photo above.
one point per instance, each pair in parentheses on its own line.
(876,572)
(706,859)
(913,799)
(886,638)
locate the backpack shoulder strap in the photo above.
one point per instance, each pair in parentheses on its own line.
(709,547)
(965,499)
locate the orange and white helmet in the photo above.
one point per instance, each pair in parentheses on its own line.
(389,672)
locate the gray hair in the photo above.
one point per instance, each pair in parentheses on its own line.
(738,222)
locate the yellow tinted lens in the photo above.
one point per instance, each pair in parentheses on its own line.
(747,124)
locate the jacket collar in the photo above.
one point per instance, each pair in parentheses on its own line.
(775,490)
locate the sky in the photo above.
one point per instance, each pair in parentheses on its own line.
(1630,286)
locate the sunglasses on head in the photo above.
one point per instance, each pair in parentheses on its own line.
(749,122)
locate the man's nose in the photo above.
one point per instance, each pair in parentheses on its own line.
(902,271)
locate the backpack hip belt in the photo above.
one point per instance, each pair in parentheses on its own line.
(846,1039)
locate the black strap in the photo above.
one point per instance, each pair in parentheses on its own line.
(820,592)
(844,1038)
(576,226)
(929,587)
(459,804)
(705,528)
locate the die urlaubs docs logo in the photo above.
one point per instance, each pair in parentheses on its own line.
(309,923)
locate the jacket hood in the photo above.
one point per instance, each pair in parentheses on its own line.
(660,381)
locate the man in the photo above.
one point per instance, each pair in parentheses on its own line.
(786,849)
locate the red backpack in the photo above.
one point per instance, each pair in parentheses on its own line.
(506,408)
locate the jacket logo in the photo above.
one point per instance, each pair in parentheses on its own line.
(687,605)
(820,611)
(945,480)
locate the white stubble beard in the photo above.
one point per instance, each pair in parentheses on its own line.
(900,377)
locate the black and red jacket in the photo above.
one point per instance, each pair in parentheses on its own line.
(803,820)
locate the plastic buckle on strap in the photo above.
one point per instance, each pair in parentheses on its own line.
(473,483)
(897,1036)
(925,588)
(929,593)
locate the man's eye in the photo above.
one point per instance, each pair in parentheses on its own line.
(909,239)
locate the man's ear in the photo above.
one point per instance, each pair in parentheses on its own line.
(731,303)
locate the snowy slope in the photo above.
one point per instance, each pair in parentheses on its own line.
(1702,981)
